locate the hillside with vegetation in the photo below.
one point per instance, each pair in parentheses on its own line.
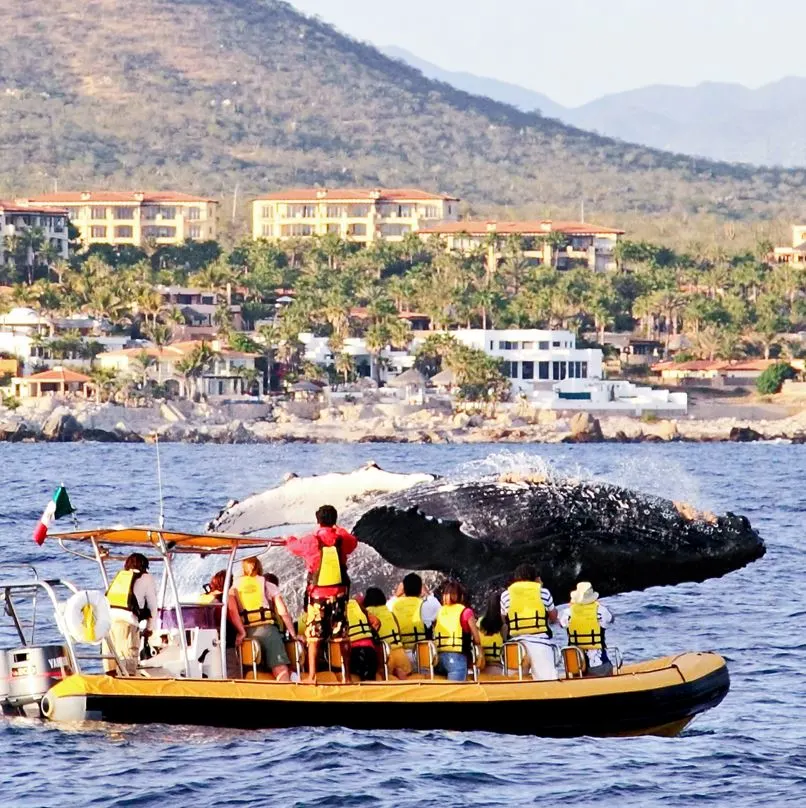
(218,95)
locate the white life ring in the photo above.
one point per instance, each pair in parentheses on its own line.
(87,617)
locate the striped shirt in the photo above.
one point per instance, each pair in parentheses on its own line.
(545,596)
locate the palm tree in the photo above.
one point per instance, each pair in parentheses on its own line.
(344,364)
(142,367)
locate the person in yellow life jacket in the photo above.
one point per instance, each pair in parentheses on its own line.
(387,631)
(493,632)
(454,630)
(361,628)
(257,608)
(325,555)
(585,619)
(132,599)
(415,611)
(528,608)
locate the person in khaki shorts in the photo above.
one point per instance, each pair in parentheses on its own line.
(132,599)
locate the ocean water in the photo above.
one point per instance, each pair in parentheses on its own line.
(751,750)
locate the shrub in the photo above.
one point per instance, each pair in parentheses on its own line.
(772,379)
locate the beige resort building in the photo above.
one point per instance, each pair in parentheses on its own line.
(559,244)
(134,218)
(796,254)
(15,219)
(361,215)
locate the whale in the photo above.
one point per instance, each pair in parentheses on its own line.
(479,530)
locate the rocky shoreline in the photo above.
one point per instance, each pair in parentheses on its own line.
(302,422)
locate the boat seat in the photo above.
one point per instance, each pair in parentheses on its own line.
(385,651)
(476,664)
(296,655)
(574,661)
(425,658)
(335,658)
(250,656)
(514,660)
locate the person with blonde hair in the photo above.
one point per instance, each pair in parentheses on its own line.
(256,608)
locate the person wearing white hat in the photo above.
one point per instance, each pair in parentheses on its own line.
(585,618)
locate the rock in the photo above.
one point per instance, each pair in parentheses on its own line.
(61,425)
(101,436)
(461,420)
(744,434)
(800,438)
(665,430)
(238,433)
(584,429)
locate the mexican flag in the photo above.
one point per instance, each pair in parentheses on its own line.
(58,506)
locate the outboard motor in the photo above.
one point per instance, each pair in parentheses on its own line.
(33,670)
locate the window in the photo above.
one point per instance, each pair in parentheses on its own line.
(528,346)
(298,230)
(492,345)
(358,211)
(542,346)
(194,231)
(150,212)
(124,231)
(267,212)
(193,214)
(334,228)
(167,213)
(267,231)
(513,370)
(506,345)
(555,344)
(528,371)
(543,370)
(559,370)
(98,231)
(335,211)
(158,231)
(584,370)
(97,213)
(127,214)
(357,230)
(431,212)
(393,230)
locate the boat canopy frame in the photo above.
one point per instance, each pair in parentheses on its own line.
(167,544)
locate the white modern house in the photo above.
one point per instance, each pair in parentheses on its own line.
(534,358)
(616,396)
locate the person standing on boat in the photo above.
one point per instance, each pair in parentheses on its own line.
(528,608)
(325,555)
(585,618)
(132,599)
(259,608)
(455,628)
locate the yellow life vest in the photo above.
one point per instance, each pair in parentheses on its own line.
(251,594)
(493,645)
(331,571)
(388,632)
(526,613)
(448,628)
(210,597)
(358,626)
(584,629)
(120,594)
(407,610)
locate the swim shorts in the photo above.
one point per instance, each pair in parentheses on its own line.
(326,618)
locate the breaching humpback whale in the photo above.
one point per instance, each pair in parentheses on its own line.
(479,531)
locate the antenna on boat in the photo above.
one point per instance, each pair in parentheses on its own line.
(159,484)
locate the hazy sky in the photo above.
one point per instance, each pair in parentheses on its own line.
(576,50)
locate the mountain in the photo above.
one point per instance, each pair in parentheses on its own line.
(210,95)
(525,100)
(715,120)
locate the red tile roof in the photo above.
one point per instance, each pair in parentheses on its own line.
(71,197)
(176,350)
(58,374)
(15,207)
(352,194)
(714,364)
(524,228)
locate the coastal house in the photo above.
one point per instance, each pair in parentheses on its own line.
(533,358)
(796,254)
(133,218)
(229,373)
(604,395)
(36,340)
(198,307)
(58,381)
(16,220)
(359,215)
(712,373)
(562,245)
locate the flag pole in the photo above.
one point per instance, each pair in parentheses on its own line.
(161,519)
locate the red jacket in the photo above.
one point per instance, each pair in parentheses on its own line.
(307,548)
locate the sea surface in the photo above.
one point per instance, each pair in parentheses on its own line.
(751,750)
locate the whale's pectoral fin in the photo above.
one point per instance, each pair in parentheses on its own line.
(411,539)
